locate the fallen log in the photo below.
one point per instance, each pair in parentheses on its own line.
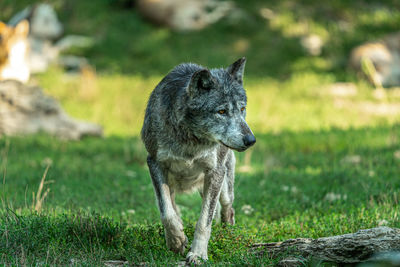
(342,249)
(27,110)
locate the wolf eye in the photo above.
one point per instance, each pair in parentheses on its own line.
(222,111)
(242,109)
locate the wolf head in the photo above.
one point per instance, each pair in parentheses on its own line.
(216,106)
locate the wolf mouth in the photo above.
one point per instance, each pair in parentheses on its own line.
(237,149)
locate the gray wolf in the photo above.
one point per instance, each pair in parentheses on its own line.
(195,117)
(384,55)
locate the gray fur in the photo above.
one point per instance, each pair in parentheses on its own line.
(190,144)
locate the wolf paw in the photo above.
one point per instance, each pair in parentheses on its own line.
(228,216)
(174,235)
(177,243)
(194,258)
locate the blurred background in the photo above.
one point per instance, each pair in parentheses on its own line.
(323,86)
(297,54)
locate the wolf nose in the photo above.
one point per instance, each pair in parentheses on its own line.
(249,140)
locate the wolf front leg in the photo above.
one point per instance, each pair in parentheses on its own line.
(227,194)
(174,235)
(211,191)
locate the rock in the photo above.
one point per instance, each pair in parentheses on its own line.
(27,110)
(43,21)
(313,44)
(379,61)
(72,40)
(184,15)
(45,28)
(72,62)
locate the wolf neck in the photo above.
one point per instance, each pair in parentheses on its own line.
(182,144)
(186,153)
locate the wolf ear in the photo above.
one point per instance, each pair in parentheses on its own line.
(237,69)
(201,80)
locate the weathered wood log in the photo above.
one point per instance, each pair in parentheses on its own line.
(27,110)
(347,248)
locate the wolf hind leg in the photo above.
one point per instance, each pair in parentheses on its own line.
(175,206)
(227,211)
(174,235)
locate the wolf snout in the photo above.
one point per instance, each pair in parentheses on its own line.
(249,140)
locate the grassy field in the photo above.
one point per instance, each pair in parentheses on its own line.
(323,164)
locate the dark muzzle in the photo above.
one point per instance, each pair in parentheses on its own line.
(249,140)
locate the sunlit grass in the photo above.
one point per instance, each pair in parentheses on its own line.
(101,204)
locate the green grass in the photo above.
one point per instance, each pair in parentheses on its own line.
(101,204)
